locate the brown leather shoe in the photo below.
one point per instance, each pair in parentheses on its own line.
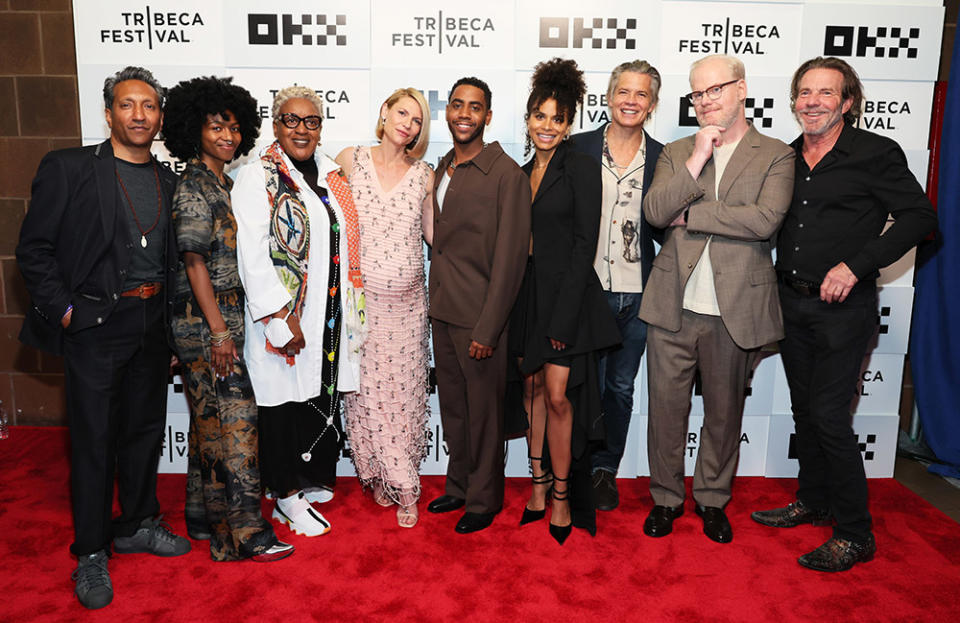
(839,554)
(660,520)
(792,515)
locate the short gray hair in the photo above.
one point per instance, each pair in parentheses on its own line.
(131,73)
(638,67)
(734,64)
(296,92)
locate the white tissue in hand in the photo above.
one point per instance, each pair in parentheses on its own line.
(278,332)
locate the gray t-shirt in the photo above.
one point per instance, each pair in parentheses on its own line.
(146,263)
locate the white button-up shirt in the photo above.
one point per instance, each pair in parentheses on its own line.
(617,262)
(275,382)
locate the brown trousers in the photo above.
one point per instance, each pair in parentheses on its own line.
(471,410)
(673,358)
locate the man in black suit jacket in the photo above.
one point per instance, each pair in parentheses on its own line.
(98,255)
(628,157)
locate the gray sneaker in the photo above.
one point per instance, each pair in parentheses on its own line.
(605,494)
(153,537)
(93,589)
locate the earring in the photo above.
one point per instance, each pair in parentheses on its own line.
(527,145)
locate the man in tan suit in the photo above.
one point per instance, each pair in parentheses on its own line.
(711,299)
(481,234)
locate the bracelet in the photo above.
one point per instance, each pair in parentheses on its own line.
(219,338)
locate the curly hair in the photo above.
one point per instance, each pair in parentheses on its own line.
(559,79)
(851,89)
(191,101)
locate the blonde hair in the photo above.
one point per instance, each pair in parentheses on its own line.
(296,92)
(734,64)
(418,146)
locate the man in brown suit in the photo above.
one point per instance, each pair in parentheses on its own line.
(481,235)
(711,299)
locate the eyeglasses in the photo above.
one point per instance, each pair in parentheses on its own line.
(292,121)
(712,92)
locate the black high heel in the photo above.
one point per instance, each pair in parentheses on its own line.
(529,515)
(560,533)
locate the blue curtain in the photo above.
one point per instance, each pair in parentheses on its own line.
(935,339)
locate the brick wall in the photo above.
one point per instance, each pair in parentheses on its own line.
(39,112)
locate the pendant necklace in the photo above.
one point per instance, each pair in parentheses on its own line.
(143,234)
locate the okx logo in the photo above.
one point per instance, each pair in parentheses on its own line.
(760,111)
(884,42)
(611,33)
(288,29)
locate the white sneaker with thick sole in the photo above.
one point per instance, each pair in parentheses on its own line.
(318,495)
(303,519)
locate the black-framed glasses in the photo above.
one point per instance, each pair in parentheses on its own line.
(712,92)
(291,120)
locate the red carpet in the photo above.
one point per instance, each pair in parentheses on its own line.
(369,569)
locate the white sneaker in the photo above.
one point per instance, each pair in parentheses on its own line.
(303,519)
(318,495)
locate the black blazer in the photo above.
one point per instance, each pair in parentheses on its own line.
(74,247)
(565,224)
(591,143)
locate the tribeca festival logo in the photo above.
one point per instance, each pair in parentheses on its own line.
(886,42)
(881,115)
(730,38)
(153,28)
(444,31)
(759,110)
(612,33)
(331,98)
(288,29)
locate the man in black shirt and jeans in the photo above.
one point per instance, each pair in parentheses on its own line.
(829,253)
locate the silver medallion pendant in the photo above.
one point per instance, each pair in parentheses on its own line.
(143,241)
(306,456)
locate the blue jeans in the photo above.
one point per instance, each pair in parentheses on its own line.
(618,373)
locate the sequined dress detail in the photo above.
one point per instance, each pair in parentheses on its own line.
(387,418)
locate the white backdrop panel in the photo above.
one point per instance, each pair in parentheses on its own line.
(438,34)
(882,42)
(876,434)
(599,35)
(297,33)
(764,36)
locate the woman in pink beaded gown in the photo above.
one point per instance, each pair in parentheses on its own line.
(386,420)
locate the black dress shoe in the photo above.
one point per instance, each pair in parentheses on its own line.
(839,554)
(605,495)
(791,515)
(715,523)
(445,504)
(473,522)
(660,520)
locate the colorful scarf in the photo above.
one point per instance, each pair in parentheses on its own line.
(290,244)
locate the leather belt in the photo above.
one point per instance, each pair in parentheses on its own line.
(144,290)
(800,286)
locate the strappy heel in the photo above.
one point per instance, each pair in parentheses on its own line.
(529,515)
(560,533)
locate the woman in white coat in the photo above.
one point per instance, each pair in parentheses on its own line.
(298,254)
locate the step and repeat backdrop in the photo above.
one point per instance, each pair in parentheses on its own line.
(356,52)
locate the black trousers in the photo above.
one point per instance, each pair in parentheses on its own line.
(116,386)
(822,353)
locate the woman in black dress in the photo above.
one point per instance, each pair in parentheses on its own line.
(560,320)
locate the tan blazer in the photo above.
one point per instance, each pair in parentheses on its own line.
(480,243)
(754,195)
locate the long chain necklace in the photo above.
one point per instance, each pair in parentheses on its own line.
(333,313)
(143,234)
